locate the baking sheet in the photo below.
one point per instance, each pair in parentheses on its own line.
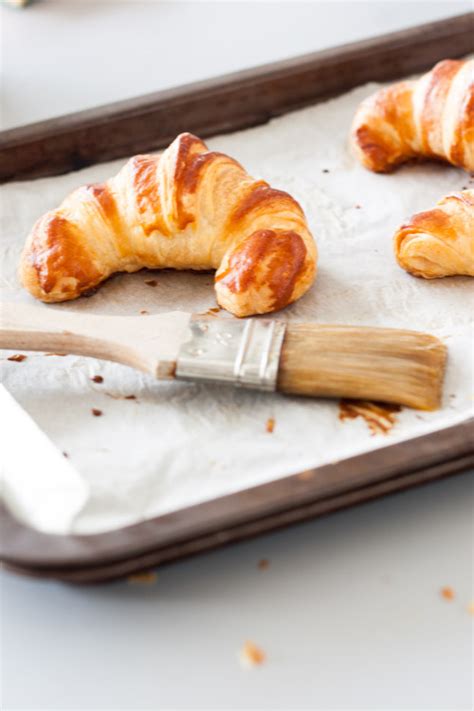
(177,444)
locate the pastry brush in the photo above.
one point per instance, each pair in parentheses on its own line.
(391,365)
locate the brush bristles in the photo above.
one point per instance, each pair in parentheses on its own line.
(389,365)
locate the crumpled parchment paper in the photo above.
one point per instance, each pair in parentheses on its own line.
(177,444)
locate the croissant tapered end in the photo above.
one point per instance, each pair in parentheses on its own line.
(432,117)
(377,135)
(265,272)
(54,265)
(189,208)
(439,242)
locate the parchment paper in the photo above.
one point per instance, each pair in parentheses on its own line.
(178,444)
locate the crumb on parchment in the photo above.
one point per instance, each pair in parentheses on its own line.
(116,396)
(96,412)
(17,358)
(97,379)
(251,656)
(270,424)
(470,608)
(447,593)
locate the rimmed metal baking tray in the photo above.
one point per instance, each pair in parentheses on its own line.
(207,108)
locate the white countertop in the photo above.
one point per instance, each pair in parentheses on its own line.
(65,55)
(349,611)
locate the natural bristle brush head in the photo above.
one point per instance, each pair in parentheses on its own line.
(390,365)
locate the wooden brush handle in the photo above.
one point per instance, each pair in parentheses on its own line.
(386,364)
(131,340)
(44,328)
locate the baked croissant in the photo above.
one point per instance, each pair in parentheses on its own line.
(432,117)
(439,242)
(189,208)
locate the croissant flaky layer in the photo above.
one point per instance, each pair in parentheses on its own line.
(439,242)
(432,117)
(189,208)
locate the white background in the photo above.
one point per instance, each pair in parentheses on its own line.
(349,611)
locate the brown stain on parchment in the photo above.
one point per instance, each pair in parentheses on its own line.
(379,416)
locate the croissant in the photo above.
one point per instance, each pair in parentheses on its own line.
(439,242)
(432,117)
(189,208)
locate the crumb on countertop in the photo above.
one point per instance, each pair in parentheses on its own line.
(251,656)
(447,592)
(143,312)
(151,282)
(263,564)
(270,424)
(96,412)
(470,608)
(17,358)
(147,577)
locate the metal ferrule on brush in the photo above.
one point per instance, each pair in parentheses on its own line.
(244,352)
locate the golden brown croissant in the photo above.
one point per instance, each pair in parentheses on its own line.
(186,209)
(439,242)
(432,117)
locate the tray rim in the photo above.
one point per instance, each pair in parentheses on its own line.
(247,512)
(240,99)
(413,460)
(115,570)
